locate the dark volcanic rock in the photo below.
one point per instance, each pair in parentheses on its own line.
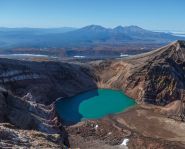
(45,81)
(27,114)
(30,116)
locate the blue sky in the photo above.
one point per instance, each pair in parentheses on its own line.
(149,14)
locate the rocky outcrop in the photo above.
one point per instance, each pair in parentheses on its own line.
(11,137)
(28,114)
(25,114)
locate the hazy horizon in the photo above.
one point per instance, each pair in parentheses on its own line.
(73,27)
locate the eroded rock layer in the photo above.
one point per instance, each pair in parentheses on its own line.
(45,81)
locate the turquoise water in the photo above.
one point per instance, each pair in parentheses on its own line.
(92,105)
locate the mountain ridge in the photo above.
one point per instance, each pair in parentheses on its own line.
(156,77)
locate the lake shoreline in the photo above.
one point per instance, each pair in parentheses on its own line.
(82,105)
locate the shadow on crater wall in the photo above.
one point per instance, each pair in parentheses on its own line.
(71,115)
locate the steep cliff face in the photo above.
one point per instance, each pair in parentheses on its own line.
(165,80)
(44,81)
(27,114)
(157,77)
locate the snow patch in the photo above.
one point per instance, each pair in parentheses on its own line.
(96,127)
(125,141)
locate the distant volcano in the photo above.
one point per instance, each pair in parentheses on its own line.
(92,34)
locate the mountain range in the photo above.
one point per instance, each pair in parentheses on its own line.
(71,37)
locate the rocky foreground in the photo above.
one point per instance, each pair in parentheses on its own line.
(156,80)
